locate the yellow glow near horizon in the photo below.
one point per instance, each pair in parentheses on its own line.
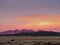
(45,23)
(38,21)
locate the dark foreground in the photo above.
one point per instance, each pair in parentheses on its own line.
(29,40)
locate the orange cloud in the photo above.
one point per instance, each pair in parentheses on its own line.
(34,21)
(40,19)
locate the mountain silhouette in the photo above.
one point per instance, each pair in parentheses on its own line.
(25,32)
(12,32)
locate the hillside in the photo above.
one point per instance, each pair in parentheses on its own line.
(29,33)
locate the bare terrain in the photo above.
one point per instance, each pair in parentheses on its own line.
(29,40)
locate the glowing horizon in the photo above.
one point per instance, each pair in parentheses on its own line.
(33,21)
(30,14)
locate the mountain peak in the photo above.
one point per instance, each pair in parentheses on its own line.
(25,32)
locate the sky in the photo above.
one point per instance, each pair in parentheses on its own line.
(30,14)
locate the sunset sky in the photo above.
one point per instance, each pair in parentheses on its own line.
(30,14)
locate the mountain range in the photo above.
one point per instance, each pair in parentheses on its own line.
(25,32)
(16,31)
